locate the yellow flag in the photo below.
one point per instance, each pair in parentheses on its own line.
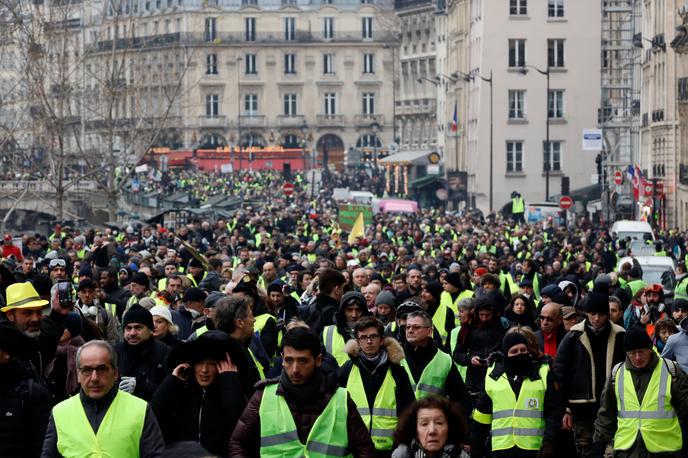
(358,229)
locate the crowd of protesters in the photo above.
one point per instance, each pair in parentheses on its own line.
(273,333)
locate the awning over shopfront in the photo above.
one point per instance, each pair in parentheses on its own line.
(406,157)
(423,181)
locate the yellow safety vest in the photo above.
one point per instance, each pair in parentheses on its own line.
(445,298)
(279,439)
(518,205)
(259,366)
(439,320)
(380,419)
(453,340)
(261,321)
(515,422)
(433,377)
(119,433)
(334,344)
(655,418)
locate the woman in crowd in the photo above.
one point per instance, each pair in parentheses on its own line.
(520,312)
(164,328)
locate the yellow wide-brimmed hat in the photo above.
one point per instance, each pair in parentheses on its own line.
(22,296)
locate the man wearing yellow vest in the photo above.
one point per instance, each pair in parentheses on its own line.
(518,207)
(519,406)
(303,413)
(642,403)
(453,293)
(375,381)
(101,419)
(430,370)
(335,336)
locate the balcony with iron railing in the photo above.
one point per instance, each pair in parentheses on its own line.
(330,120)
(290,120)
(253,121)
(366,120)
(217,121)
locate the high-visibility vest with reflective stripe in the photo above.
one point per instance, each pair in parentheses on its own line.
(119,433)
(381,420)
(518,205)
(261,321)
(453,340)
(279,438)
(445,298)
(655,418)
(681,290)
(256,363)
(439,319)
(334,344)
(433,377)
(193,280)
(110,307)
(515,422)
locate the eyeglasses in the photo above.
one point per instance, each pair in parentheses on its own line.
(370,338)
(88,371)
(415,327)
(547,318)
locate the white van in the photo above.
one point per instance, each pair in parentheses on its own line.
(633,229)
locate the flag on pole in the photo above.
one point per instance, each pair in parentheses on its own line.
(638,182)
(357,230)
(455,119)
(630,172)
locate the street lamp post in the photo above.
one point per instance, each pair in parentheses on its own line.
(375,127)
(488,80)
(548,158)
(304,132)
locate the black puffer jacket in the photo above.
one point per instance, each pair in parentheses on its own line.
(24,411)
(146,362)
(187,412)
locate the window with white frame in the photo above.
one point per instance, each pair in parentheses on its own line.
(251,104)
(517,52)
(328,64)
(330,103)
(328,28)
(251,68)
(211,64)
(555,53)
(555,104)
(290,28)
(212,105)
(555,8)
(514,156)
(518,7)
(290,105)
(290,63)
(517,104)
(368,103)
(551,156)
(367,28)
(368,63)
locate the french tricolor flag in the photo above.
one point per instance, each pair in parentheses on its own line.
(455,120)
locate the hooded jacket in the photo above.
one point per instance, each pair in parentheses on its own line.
(565,284)
(372,382)
(676,347)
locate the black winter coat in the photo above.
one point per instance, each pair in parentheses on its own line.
(187,412)
(146,362)
(24,411)
(478,342)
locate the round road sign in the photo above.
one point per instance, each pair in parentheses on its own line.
(288,189)
(565,202)
(618,177)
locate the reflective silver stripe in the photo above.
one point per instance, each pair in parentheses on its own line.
(430,388)
(384,412)
(518,432)
(517,413)
(279,439)
(382,432)
(660,413)
(327,449)
(640,415)
(329,339)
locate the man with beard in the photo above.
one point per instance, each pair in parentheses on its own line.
(169,296)
(141,357)
(584,362)
(25,311)
(646,309)
(414,280)
(113,293)
(519,394)
(335,336)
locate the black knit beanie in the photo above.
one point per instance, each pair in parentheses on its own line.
(138,314)
(636,338)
